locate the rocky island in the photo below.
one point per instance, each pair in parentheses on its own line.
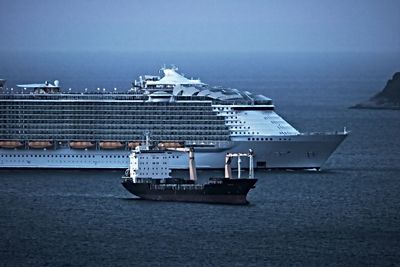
(388,98)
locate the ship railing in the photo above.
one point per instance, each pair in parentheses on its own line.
(118,96)
(324,133)
(182,187)
(74,96)
(127,179)
(62,141)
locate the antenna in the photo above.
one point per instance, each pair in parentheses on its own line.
(147,139)
(251,166)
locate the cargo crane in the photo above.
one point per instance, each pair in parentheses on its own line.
(192,164)
(228,160)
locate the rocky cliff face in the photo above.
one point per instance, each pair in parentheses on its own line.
(388,98)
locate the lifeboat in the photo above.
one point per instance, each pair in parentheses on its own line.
(134,144)
(81,144)
(170,145)
(111,144)
(39,144)
(10,144)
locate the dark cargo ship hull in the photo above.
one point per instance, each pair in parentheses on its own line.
(230,191)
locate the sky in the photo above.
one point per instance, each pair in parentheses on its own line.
(200,26)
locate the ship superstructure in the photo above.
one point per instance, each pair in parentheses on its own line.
(46,128)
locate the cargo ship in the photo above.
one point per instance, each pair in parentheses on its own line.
(44,126)
(148,177)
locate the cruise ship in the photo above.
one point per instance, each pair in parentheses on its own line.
(43,127)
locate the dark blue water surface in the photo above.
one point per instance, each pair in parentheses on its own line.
(346,214)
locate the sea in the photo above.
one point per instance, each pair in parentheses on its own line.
(347,214)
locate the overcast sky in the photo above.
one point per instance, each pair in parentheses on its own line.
(214,26)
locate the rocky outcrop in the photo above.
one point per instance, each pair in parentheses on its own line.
(388,98)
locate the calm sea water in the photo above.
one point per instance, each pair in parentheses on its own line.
(346,214)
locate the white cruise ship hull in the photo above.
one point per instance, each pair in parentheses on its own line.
(291,152)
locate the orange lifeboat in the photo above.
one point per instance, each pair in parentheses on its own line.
(134,144)
(81,144)
(39,144)
(111,144)
(170,145)
(10,144)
